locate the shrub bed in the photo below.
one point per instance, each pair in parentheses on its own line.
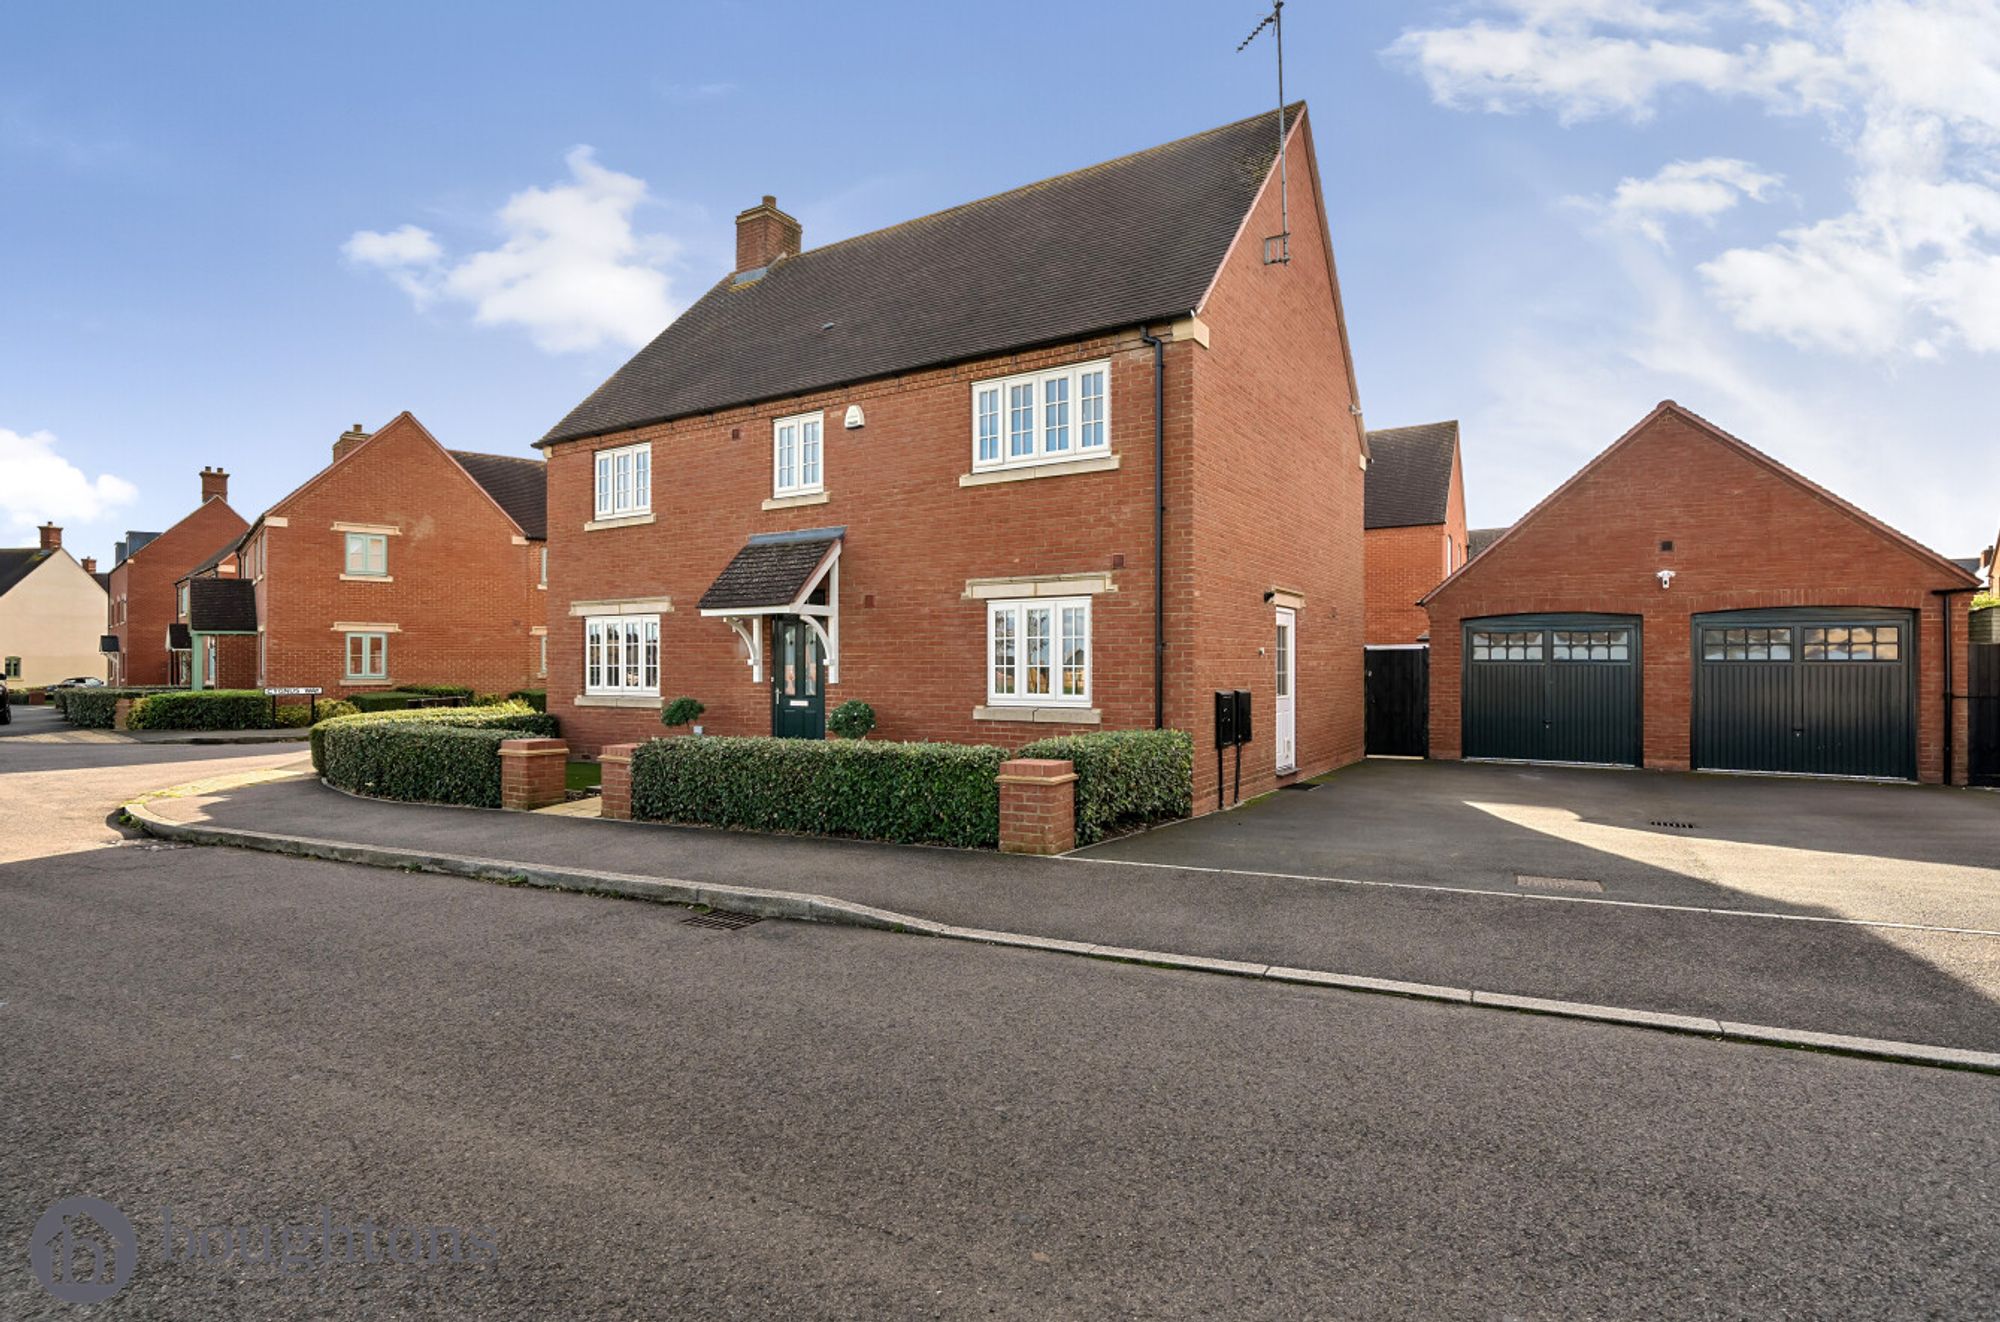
(1124,778)
(536,698)
(420,761)
(206,709)
(298,717)
(939,794)
(516,716)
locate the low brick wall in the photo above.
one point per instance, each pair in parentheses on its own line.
(615,789)
(532,773)
(1037,806)
(121,715)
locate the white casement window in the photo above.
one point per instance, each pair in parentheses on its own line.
(1038,652)
(1043,417)
(797,451)
(542,668)
(621,655)
(545,566)
(624,481)
(367,554)
(181,602)
(367,656)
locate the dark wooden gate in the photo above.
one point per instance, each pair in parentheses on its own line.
(1399,701)
(1985,691)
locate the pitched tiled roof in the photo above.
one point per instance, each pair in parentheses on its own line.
(16,563)
(222,605)
(1409,474)
(1969,563)
(222,553)
(518,485)
(770,570)
(1133,240)
(1478,539)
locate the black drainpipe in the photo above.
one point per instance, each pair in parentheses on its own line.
(1950,711)
(1159,528)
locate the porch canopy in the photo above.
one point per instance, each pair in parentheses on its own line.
(782,573)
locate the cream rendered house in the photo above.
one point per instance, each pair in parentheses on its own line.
(51,614)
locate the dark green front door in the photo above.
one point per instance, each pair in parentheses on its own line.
(798,680)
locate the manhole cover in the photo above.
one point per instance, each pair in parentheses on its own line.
(1567,885)
(1668,825)
(728,920)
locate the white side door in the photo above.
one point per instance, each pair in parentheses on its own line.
(1286,726)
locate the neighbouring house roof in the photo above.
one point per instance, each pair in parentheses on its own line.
(17,562)
(1969,563)
(771,570)
(222,553)
(1134,240)
(134,543)
(103,578)
(1478,539)
(222,605)
(517,484)
(1409,474)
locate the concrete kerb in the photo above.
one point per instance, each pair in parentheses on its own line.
(827,909)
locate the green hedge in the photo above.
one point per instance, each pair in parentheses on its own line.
(291,717)
(94,708)
(208,709)
(516,716)
(1124,778)
(420,761)
(437,690)
(942,794)
(536,698)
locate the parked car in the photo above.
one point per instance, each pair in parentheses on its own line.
(78,682)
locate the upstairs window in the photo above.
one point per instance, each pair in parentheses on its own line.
(1042,417)
(367,554)
(624,481)
(181,601)
(796,445)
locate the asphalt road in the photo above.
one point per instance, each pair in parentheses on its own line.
(658,1120)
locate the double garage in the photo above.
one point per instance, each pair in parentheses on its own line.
(1686,601)
(1826,692)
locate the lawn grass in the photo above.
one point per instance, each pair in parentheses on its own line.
(583,776)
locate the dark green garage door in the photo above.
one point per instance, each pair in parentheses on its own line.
(1553,688)
(1813,692)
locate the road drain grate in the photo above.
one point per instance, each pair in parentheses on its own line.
(1567,885)
(1672,825)
(727,920)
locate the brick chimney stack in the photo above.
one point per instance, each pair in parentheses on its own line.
(764,234)
(350,439)
(214,485)
(90,564)
(51,537)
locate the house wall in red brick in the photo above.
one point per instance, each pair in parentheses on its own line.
(1405,563)
(1745,537)
(461,589)
(145,584)
(1277,489)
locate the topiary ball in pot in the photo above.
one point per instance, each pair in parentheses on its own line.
(852,719)
(681,711)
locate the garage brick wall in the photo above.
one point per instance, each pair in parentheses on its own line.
(1744,537)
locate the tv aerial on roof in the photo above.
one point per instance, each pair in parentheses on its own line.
(1278,247)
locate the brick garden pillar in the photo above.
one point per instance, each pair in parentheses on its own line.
(615,789)
(1037,806)
(532,773)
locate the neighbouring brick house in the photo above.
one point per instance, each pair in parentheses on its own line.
(214,638)
(143,605)
(399,562)
(1687,601)
(51,613)
(1415,519)
(917,467)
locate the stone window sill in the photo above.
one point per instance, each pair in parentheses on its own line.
(1100,463)
(367,578)
(349,681)
(796,502)
(636,700)
(1041,715)
(622,521)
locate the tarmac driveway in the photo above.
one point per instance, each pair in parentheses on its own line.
(1884,853)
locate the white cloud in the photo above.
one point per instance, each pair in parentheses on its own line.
(571,270)
(42,486)
(1701,190)
(1909,89)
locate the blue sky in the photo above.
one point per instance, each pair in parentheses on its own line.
(227,231)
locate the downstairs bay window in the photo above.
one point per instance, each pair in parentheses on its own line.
(621,656)
(1038,652)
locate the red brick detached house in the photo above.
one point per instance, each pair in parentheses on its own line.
(400,562)
(1687,601)
(917,467)
(1415,520)
(142,604)
(214,637)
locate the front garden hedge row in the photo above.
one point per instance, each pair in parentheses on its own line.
(524,721)
(204,709)
(909,793)
(94,708)
(420,761)
(1124,778)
